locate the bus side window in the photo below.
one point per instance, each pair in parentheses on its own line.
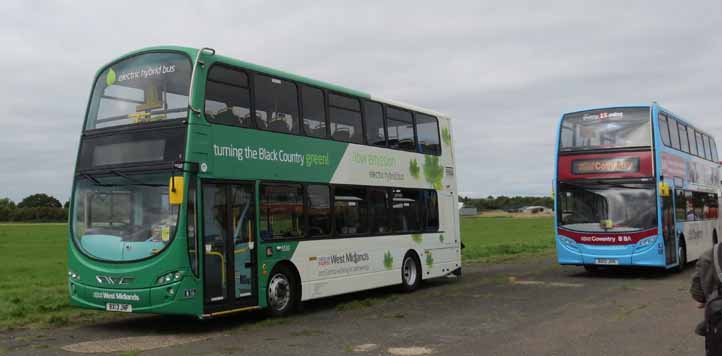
(314,114)
(319,210)
(681,206)
(374,120)
(700,145)
(692,141)
(664,130)
(427,134)
(400,126)
(683,142)
(431,208)
(713,206)
(281,211)
(345,118)
(276,104)
(350,210)
(699,203)
(715,158)
(673,133)
(405,210)
(227,97)
(708,148)
(379,210)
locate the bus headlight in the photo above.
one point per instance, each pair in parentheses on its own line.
(73,275)
(647,241)
(568,242)
(170,277)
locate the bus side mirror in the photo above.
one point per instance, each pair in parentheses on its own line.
(664,189)
(175,190)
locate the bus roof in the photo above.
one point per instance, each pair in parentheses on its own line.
(278,73)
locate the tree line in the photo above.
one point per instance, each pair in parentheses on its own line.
(506,203)
(35,208)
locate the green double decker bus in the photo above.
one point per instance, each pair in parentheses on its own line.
(206,185)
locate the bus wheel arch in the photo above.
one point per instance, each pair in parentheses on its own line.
(411,271)
(283,289)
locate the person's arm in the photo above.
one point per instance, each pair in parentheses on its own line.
(704,281)
(696,288)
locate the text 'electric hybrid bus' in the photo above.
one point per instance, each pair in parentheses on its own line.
(205,185)
(635,185)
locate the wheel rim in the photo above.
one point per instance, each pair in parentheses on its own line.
(409,271)
(279,292)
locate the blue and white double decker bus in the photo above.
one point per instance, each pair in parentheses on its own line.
(635,185)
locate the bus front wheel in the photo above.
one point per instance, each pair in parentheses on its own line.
(410,273)
(281,293)
(681,257)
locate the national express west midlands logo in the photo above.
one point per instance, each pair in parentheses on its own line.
(349,257)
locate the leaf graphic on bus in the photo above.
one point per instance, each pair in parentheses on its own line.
(414,168)
(441,238)
(433,172)
(417,238)
(446,136)
(429,259)
(388,260)
(110,78)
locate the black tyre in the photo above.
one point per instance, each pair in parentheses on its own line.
(681,257)
(282,293)
(410,273)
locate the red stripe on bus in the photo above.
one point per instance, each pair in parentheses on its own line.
(589,238)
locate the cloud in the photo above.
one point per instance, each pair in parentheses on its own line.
(503,72)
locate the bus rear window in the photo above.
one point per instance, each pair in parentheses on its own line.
(607,128)
(142,89)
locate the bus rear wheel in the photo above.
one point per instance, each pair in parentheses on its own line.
(410,273)
(282,292)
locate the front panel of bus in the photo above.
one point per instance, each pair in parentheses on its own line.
(128,248)
(606,190)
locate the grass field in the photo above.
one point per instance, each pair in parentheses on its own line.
(33,292)
(491,238)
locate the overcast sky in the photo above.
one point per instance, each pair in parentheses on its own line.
(503,70)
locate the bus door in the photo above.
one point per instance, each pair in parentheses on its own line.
(229,245)
(668,229)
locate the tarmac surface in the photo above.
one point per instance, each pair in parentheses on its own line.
(529,307)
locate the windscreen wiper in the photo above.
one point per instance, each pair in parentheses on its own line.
(89,176)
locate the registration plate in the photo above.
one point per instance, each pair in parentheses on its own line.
(115,307)
(607,261)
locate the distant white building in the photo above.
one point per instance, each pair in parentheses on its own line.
(468,211)
(535,209)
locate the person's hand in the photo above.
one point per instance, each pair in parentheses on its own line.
(700,305)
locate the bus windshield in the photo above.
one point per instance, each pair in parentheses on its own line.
(145,88)
(123,217)
(607,128)
(589,208)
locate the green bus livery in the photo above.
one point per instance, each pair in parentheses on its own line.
(205,185)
